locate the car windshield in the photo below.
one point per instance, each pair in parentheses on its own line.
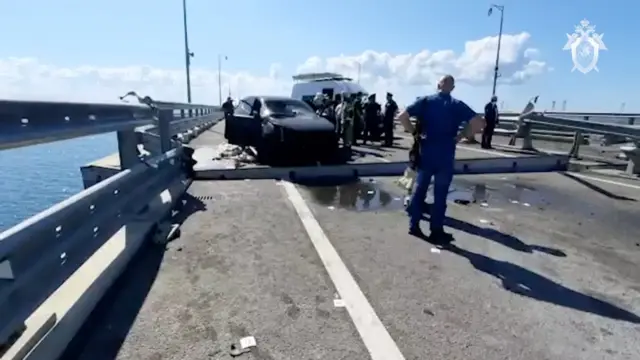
(287,107)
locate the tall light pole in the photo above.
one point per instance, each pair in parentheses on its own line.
(220,78)
(187,53)
(495,70)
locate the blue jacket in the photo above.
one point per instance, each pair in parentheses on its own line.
(441,116)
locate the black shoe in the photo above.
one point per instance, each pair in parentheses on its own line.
(417,232)
(439,237)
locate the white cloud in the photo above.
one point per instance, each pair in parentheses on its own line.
(407,75)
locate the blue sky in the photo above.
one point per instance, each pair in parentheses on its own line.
(114,33)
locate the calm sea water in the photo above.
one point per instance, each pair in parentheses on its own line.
(34,178)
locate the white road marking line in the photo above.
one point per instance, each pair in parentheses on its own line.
(375,336)
(578,175)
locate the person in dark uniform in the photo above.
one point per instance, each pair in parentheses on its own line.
(390,109)
(371,119)
(491,117)
(228,109)
(358,120)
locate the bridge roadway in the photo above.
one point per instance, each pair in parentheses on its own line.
(547,270)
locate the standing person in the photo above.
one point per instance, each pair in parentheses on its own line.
(390,109)
(227,107)
(441,116)
(358,119)
(491,116)
(337,105)
(347,119)
(371,119)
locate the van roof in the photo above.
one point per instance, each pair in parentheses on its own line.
(325,76)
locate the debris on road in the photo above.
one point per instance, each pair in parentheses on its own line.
(243,346)
(225,156)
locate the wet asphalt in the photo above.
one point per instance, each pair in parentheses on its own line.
(544,266)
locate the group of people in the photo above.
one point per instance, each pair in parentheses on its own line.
(357,118)
(436,133)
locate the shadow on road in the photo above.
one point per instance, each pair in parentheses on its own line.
(104,332)
(597,188)
(530,284)
(499,237)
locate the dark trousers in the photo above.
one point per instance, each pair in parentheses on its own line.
(487,133)
(388,132)
(369,131)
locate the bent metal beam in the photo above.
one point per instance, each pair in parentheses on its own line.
(528,164)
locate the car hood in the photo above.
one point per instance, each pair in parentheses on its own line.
(303,123)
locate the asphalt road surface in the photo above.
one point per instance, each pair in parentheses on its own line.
(545,266)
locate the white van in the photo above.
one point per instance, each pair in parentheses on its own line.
(306,86)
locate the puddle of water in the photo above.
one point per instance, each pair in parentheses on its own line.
(369,195)
(359,195)
(500,194)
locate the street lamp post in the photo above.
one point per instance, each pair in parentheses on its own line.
(495,70)
(187,53)
(220,78)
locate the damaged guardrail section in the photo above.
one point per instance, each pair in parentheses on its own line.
(629,133)
(66,256)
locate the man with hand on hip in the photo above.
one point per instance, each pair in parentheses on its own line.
(441,115)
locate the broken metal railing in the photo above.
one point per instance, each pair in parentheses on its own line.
(629,133)
(527,164)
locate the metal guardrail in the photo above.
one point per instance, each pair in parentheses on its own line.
(630,133)
(42,252)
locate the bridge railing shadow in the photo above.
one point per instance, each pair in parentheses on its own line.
(524,282)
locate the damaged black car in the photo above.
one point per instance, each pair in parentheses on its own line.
(282,130)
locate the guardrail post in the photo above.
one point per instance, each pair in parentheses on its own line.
(128,148)
(182,113)
(578,139)
(165,117)
(633,155)
(631,121)
(527,139)
(190,113)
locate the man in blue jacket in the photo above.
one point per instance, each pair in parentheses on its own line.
(441,115)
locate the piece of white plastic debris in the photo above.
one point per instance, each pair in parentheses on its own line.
(514,201)
(247,342)
(331,207)
(484,221)
(338,303)
(526,204)
(370,192)
(484,204)
(435,250)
